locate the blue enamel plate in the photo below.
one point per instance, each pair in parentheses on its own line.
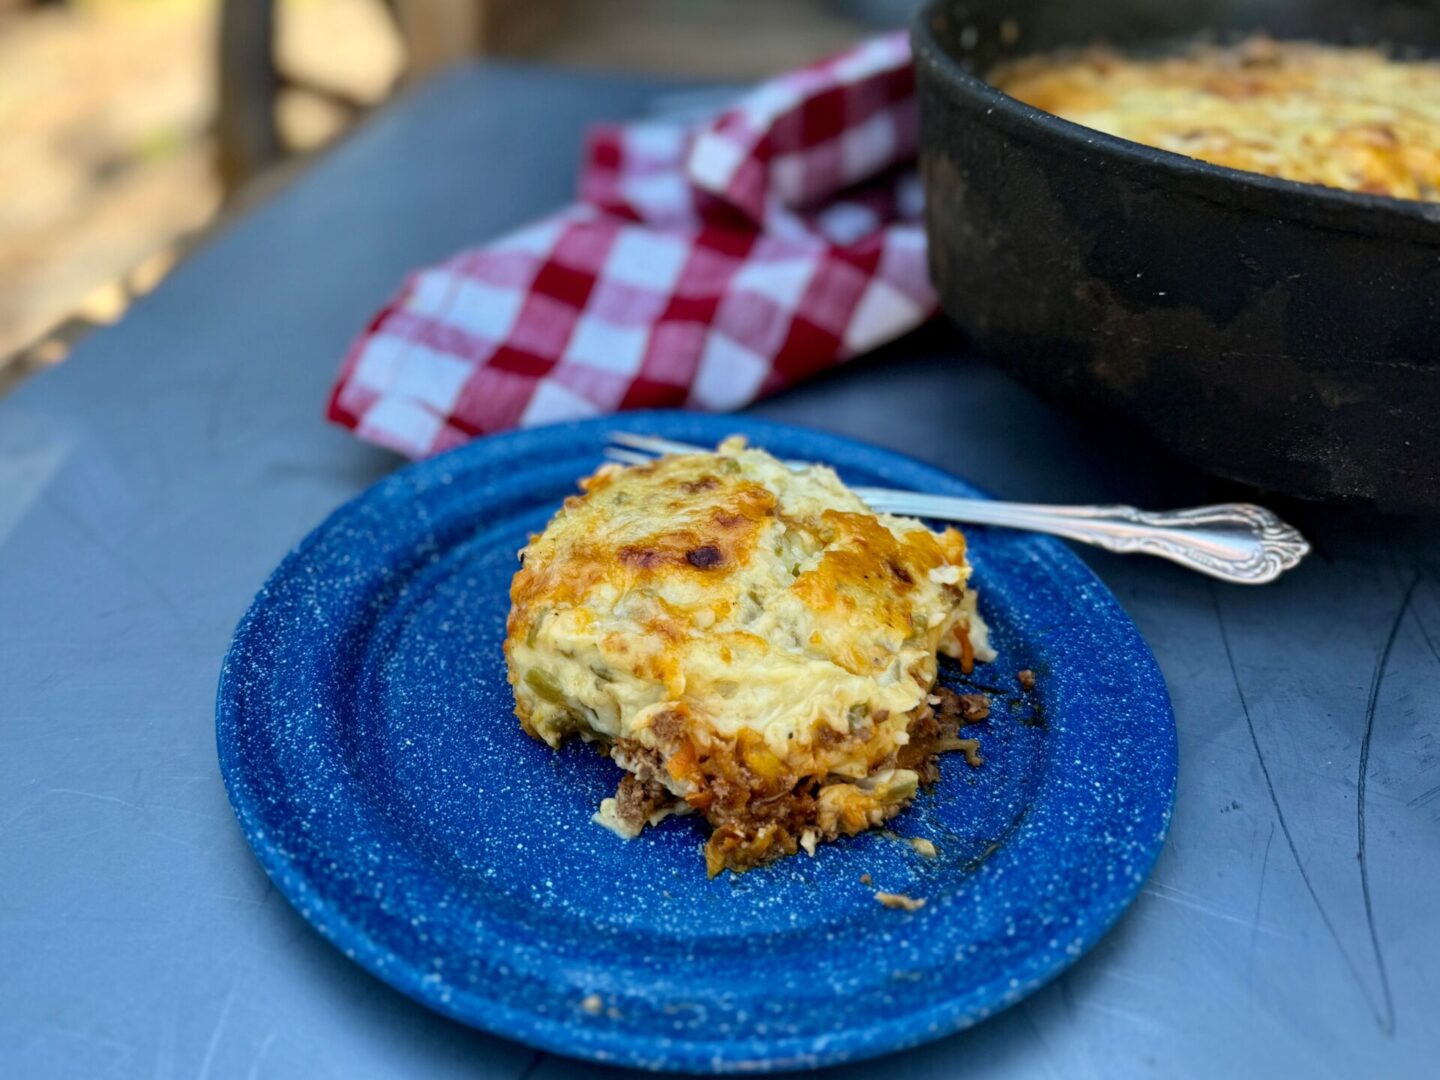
(368,743)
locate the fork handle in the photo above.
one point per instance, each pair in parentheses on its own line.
(1237,542)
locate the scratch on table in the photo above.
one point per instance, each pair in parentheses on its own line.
(160,834)
(1176,890)
(1039,1034)
(1146,980)
(1130,1016)
(229,898)
(1255,918)
(1361,782)
(17,815)
(536,1060)
(208,1061)
(1067,996)
(98,796)
(1425,797)
(1424,630)
(224,390)
(1204,909)
(99,540)
(1223,946)
(260,1053)
(85,1035)
(1380,1017)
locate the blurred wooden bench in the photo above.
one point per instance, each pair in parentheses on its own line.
(436,33)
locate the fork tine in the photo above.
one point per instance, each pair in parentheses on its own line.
(627,457)
(654,444)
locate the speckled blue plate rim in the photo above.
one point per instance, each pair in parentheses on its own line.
(567,1038)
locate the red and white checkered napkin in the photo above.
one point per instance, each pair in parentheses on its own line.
(702,268)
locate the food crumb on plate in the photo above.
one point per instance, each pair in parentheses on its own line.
(866,879)
(923,846)
(963,708)
(593,1004)
(1026,678)
(974,708)
(900,901)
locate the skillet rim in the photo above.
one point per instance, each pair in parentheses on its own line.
(1407,220)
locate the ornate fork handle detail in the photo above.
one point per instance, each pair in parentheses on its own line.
(1237,542)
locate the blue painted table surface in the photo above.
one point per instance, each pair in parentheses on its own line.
(149,484)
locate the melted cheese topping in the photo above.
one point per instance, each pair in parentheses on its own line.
(725,622)
(1347,118)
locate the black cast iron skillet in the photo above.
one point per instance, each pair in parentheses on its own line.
(1282,334)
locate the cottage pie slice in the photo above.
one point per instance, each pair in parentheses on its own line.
(749,642)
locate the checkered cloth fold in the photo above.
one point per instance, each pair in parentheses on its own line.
(702,267)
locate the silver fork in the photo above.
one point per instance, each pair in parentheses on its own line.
(1237,542)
